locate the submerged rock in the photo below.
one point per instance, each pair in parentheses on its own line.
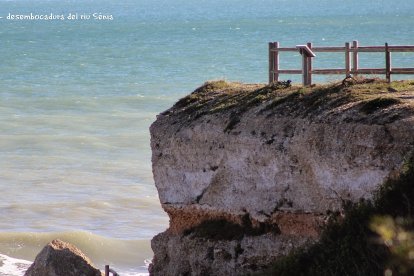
(60,258)
(248,173)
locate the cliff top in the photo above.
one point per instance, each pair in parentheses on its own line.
(249,173)
(370,101)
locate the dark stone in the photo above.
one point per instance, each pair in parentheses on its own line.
(59,258)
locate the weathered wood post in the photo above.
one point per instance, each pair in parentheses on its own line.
(273,62)
(106,270)
(355,59)
(276,62)
(309,44)
(347,60)
(307,54)
(387,63)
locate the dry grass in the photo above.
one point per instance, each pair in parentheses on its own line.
(370,101)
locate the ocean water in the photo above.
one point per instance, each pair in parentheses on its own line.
(77,97)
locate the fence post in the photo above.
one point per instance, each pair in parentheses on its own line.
(355,58)
(309,44)
(347,60)
(304,68)
(276,62)
(387,63)
(273,61)
(106,270)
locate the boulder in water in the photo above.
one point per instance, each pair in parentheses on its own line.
(60,258)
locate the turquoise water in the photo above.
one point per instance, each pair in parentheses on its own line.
(77,98)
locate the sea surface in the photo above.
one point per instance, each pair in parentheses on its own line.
(77,97)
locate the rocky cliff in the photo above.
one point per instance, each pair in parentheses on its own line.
(247,173)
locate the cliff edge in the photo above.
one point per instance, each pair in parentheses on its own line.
(248,173)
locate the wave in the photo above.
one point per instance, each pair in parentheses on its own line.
(12,267)
(127,257)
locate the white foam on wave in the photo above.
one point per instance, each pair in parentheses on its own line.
(12,267)
(131,272)
(127,273)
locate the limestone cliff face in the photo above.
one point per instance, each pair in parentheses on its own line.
(247,173)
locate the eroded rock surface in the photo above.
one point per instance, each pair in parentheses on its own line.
(268,166)
(60,258)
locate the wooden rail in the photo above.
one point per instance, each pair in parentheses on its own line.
(351,54)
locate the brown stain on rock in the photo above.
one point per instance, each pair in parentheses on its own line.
(188,218)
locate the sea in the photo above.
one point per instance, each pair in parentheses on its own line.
(82,80)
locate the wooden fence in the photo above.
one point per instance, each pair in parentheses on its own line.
(351,55)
